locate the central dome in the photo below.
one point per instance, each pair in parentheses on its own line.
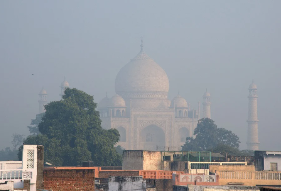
(142,78)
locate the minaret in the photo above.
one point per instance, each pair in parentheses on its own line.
(253,140)
(42,100)
(207,105)
(63,86)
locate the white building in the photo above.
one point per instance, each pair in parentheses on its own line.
(253,133)
(30,169)
(141,111)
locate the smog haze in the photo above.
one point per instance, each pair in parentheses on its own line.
(218,45)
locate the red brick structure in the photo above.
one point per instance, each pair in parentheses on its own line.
(69,179)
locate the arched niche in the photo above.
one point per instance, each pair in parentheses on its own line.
(180,113)
(122,132)
(152,138)
(183,133)
(118,113)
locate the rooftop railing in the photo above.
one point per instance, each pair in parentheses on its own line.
(17,174)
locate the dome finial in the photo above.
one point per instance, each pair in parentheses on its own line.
(141,44)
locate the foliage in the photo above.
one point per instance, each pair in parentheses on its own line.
(8,154)
(71,133)
(226,149)
(232,151)
(17,140)
(119,150)
(33,127)
(208,136)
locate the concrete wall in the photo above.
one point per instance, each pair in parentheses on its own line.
(123,173)
(272,159)
(132,160)
(247,168)
(7,186)
(152,160)
(126,183)
(10,165)
(245,175)
(159,184)
(215,188)
(142,160)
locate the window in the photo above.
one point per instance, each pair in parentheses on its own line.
(118,113)
(273,166)
(166,158)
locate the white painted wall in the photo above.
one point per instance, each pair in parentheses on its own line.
(272,159)
(30,164)
(8,186)
(7,165)
(126,183)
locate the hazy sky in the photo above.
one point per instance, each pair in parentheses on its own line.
(219,45)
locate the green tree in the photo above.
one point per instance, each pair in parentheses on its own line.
(8,154)
(119,150)
(226,150)
(17,141)
(33,127)
(11,154)
(71,132)
(208,136)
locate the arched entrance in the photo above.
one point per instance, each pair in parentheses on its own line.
(183,133)
(152,138)
(122,132)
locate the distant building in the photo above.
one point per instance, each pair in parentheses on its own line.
(42,100)
(253,133)
(141,111)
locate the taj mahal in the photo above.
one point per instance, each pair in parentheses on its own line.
(144,116)
(141,111)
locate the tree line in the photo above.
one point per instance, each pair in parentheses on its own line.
(71,133)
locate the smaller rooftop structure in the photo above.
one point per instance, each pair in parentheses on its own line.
(268,160)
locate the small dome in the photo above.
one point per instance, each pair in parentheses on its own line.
(104,103)
(64,84)
(253,86)
(207,94)
(43,92)
(179,101)
(117,101)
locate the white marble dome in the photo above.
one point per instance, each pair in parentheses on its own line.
(64,84)
(43,92)
(253,86)
(207,94)
(179,101)
(117,101)
(142,77)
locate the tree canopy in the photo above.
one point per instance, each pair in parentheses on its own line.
(71,132)
(232,151)
(208,136)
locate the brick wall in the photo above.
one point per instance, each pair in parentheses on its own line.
(69,179)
